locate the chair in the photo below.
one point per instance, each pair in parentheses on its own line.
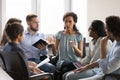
(84,47)
(16,67)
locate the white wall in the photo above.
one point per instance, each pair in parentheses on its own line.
(96,9)
(100,9)
(2,15)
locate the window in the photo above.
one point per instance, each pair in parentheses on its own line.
(51,13)
(18,9)
(80,8)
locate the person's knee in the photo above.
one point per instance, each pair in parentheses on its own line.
(48,68)
(51,67)
(68,75)
(64,75)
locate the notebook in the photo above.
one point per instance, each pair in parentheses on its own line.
(43,62)
(77,64)
(40,41)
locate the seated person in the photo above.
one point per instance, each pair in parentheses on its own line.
(4,38)
(15,34)
(97,32)
(68,44)
(106,65)
(32,35)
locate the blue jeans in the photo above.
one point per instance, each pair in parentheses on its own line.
(75,76)
(47,67)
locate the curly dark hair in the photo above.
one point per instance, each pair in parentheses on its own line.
(113,25)
(74,16)
(99,27)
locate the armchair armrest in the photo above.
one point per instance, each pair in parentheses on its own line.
(48,76)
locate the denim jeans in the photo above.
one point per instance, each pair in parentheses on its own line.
(47,67)
(75,76)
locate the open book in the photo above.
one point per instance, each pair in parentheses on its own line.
(40,41)
(43,62)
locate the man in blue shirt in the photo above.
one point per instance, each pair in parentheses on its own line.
(32,35)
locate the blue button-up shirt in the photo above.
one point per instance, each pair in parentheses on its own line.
(111,64)
(29,50)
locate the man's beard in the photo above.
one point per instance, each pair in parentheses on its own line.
(33,29)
